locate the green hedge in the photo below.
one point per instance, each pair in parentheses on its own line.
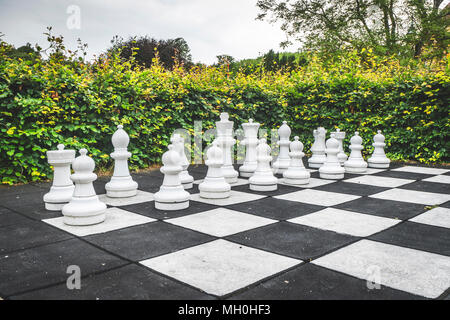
(44,103)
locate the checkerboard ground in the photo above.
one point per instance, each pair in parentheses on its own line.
(325,240)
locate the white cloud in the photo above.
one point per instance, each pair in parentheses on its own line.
(211,27)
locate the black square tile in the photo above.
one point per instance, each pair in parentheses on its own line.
(148,209)
(383,208)
(11,218)
(417,236)
(403,175)
(46,265)
(357,189)
(281,189)
(8,192)
(293,240)
(148,240)
(311,282)
(29,234)
(277,209)
(427,186)
(36,211)
(21,199)
(130,282)
(445,205)
(149,182)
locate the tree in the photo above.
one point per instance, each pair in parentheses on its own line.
(145,49)
(388,26)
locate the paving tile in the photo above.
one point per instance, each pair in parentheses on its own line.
(402,175)
(313,182)
(142,196)
(420,197)
(148,240)
(235,197)
(294,240)
(281,189)
(317,197)
(424,170)
(439,217)
(414,271)
(439,179)
(351,188)
(220,267)
(426,186)
(377,181)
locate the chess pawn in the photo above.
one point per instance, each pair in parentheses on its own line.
(226,142)
(332,169)
(122,184)
(84,208)
(283,160)
(355,162)
(214,186)
(171,195)
(340,136)
(296,174)
(250,142)
(378,158)
(186,179)
(62,187)
(263,178)
(318,148)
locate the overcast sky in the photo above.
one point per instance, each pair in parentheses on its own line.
(210,27)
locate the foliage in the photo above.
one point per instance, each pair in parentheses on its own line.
(47,102)
(403,27)
(145,49)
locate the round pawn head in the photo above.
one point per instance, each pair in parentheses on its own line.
(379,137)
(83,163)
(171,158)
(332,143)
(250,120)
(284,130)
(214,153)
(356,139)
(224,116)
(296,145)
(60,147)
(263,148)
(120,138)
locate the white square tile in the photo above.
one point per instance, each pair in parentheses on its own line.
(221,222)
(418,272)
(313,182)
(424,170)
(379,181)
(439,217)
(412,196)
(141,196)
(439,179)
(115,219)
(220,267)
(240,182)
(235,197)
(317,197)
(348,222)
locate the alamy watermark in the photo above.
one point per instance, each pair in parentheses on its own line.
(74,280)
(73,21)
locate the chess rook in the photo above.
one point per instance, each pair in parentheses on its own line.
(332,169)
(340,136)
(226,142)
(62,187)
(263,178)
(171,195)
(283,159)
(122,184)
(214,186)
(84,208)
(355,162)
(250,141)
(318,148)
(186,179)
(296,174)
(378,158)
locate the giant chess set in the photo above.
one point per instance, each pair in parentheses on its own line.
(267,229)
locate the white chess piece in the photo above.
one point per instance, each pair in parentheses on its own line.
(296,174)
(84,208)
(340,136)
(250,142)
(214,186)
(171,195)
(263,178)
(355,162)
(283,160)
(332,169)
(378,158)
(318,148)
(62,187)
(186,179)
(122,184)
(226,142)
